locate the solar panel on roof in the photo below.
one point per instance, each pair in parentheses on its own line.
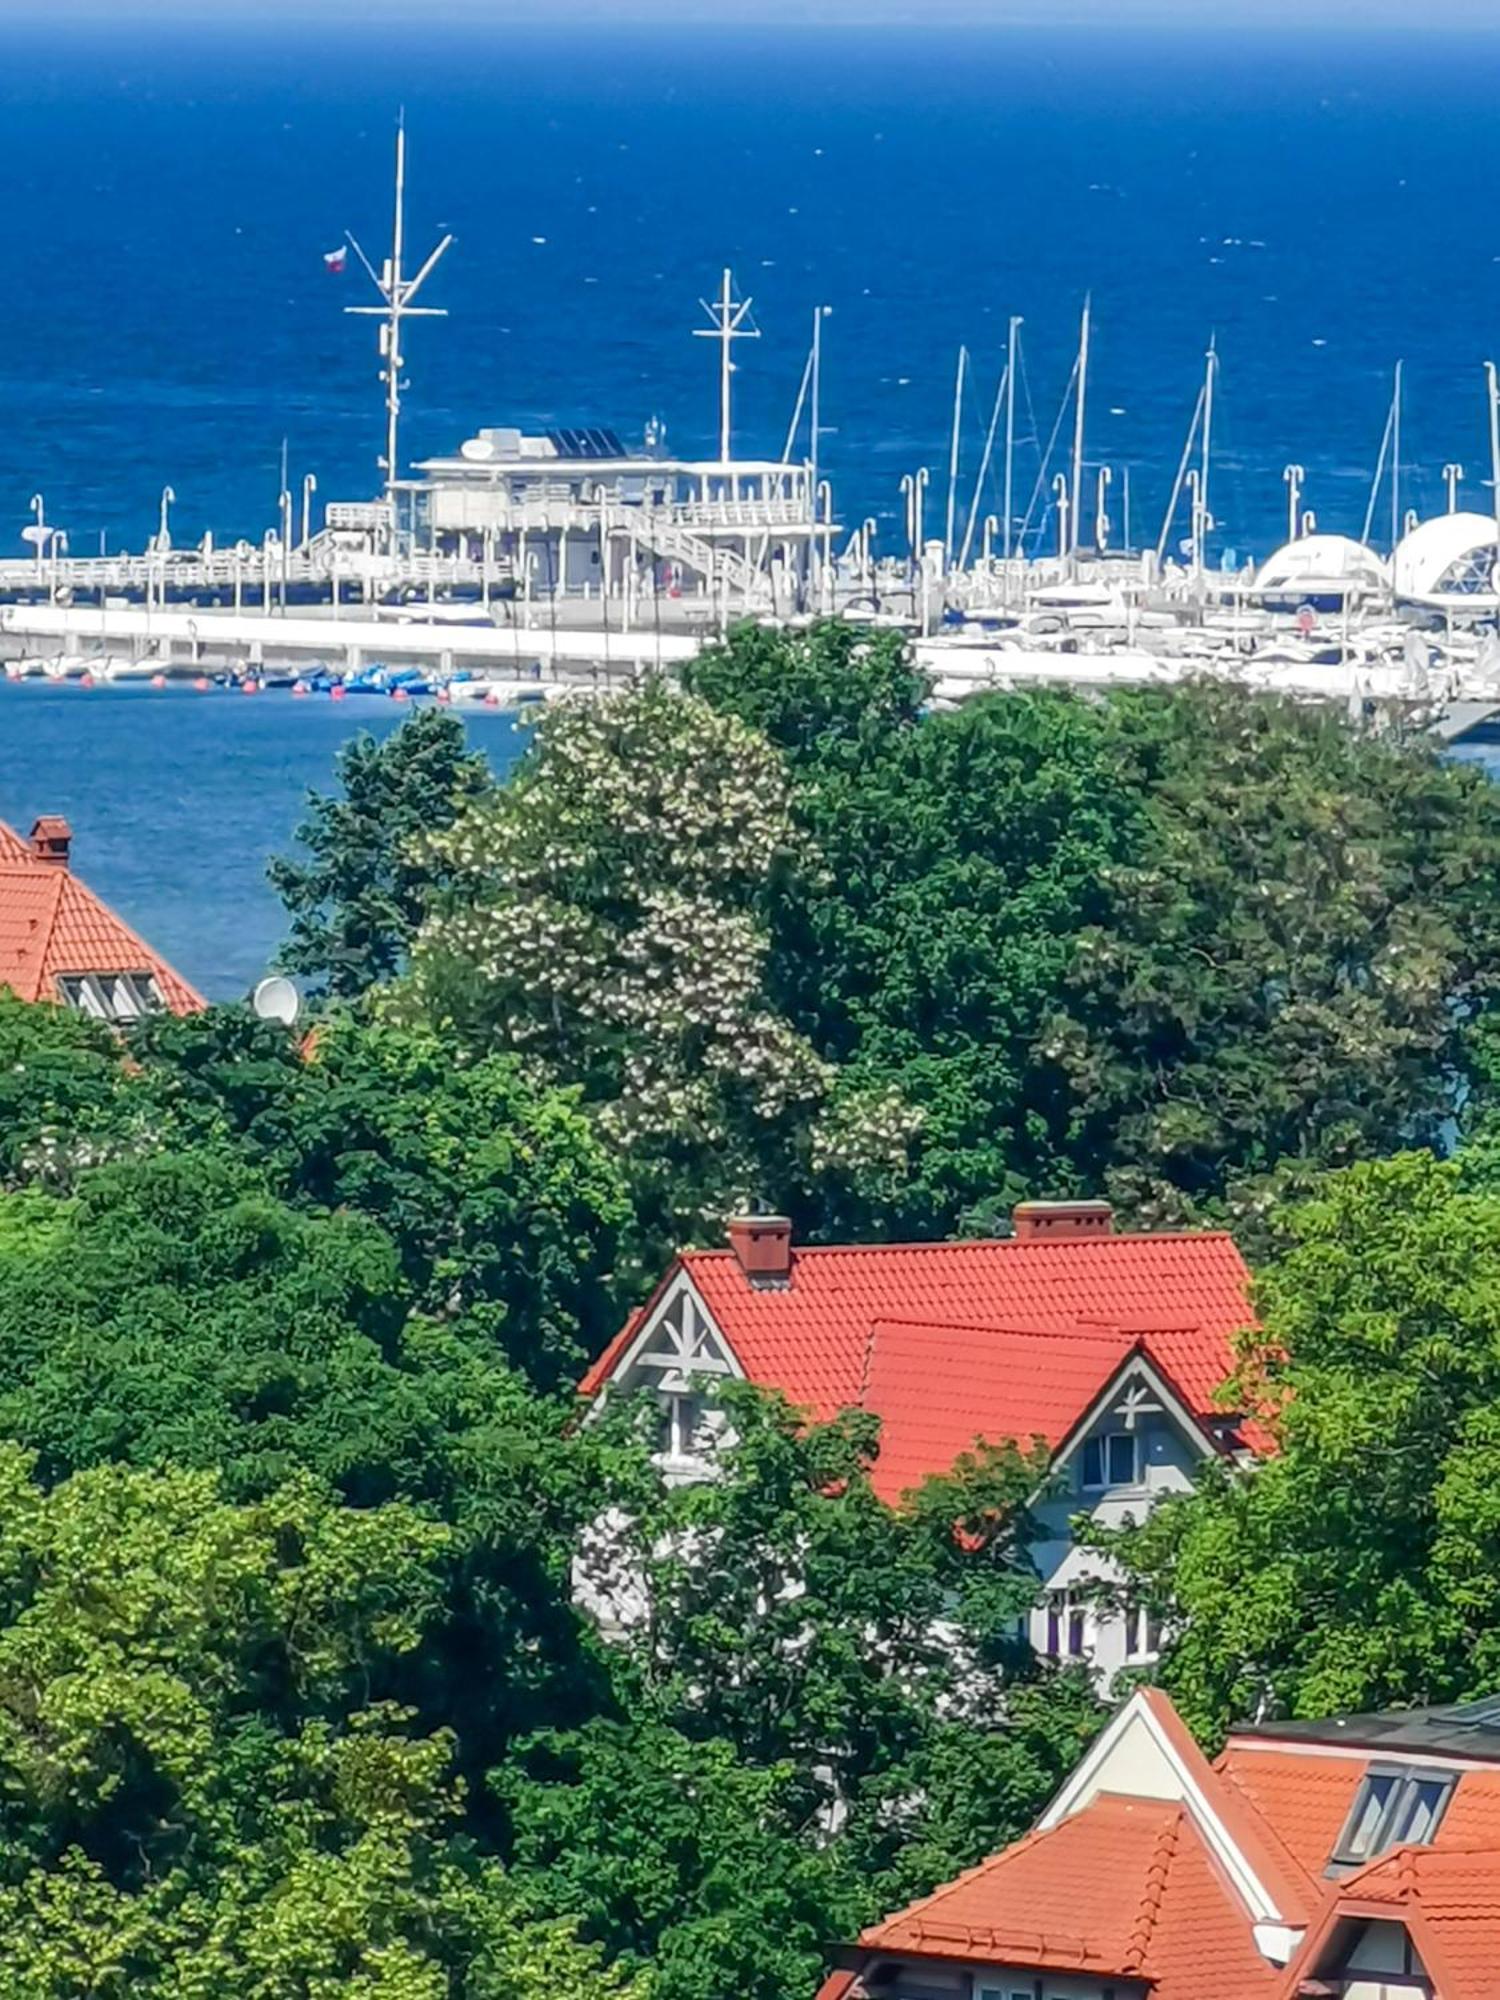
(591,441)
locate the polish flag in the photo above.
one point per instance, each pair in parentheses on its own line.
(335,260)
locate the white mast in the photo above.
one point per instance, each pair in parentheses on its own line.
(815,417)
(728,315)
(1210,372)
(1396,458)
(397,294)
(1075,483)
(1010,427)
(958,406)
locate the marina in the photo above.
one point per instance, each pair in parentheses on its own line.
(522,564)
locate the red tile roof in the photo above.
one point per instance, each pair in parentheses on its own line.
(1121,1890)
(1449,1901)
(847,1327)
(939,1389)
(51,925)
(1306,1798)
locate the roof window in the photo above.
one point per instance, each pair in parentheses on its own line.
(1393,1807)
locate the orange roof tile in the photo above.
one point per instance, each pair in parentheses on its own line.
(1305,1797)
(1449,1901)
(52,925)
(1124,1889)
(939,1389)
(810,1337)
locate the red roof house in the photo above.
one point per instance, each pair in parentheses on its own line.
(1108,1349)
(59,942)
(1357,1859)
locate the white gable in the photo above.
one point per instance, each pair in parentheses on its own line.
(1136,1757)
(677,1343)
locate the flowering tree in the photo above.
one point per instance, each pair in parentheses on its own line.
(607,915)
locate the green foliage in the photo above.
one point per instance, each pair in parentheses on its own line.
(357,899)
(60,1093)
(1165,946)
(1359,1567)
(823,1704)
(605,919)
(201,1791)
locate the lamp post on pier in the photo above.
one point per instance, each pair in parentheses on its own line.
(1452,474)
(1060,495)
(309,488)
(163,534)
(39,532)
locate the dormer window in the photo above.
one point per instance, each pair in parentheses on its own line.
(112,996)
(1111,1459)
(1393,1807)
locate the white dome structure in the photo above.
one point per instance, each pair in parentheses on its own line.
(1320,568)
(1453,559)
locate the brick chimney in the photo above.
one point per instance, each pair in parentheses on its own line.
(51,840)
(762,1245)
(1062,1221)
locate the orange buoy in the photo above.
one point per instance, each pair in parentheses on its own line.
(201,684)
(300,690)
(85,680)
(337,692)
(158,680)
(249,687)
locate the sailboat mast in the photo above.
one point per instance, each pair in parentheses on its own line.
(1210,371)
(1494,394)
(1078,422)
(958,405)
(1396,458)
(1010,429)
(817,381)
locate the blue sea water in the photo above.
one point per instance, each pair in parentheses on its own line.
(176,799)
(1318,205)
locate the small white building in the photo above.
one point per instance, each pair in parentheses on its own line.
(1107,1349)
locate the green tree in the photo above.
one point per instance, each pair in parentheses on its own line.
(1169,946)
(605,918)
(61,1099)
(201,1791)
(499,1194)
(823,1702)
(1359,1567)
(357,899)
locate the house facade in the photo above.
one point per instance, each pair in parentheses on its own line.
(61,943)
(1353,1859)
(1108,1348)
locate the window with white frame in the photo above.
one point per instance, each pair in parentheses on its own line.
(683,1428)
(1112,1458)
(1069,1631)
(1142,1633)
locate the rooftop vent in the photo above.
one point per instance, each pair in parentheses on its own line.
(1062,1221)
(762,1245)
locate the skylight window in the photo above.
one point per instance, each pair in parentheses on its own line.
(1393,1808)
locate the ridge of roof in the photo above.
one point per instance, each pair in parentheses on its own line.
(1032,1246)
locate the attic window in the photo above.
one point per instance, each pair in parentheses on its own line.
(112,996)
(1109,1460)
(1392,1808)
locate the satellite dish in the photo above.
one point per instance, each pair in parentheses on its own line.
(276,999)
(477,448)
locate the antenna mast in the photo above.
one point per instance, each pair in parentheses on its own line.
(397,293)
(728,316)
